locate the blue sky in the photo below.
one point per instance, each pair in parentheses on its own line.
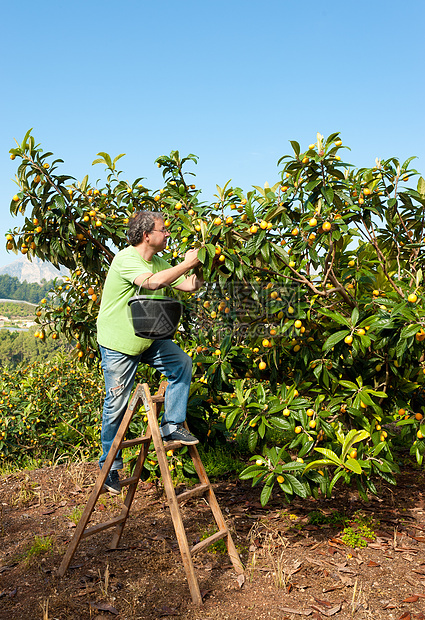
(231,81)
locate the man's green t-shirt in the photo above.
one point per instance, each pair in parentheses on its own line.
(114,325)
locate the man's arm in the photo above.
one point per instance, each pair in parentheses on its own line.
(192,283)
(154,281)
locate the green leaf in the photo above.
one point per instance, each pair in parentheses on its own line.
(353,437)
(280,423)
(296,147)
(334,339)
(24,141)
(409,330)
(317,464)
(353,465)
(349,384)
(265,493)
(250,472)
(330,455)
(328,194)
(335,479)
(421,186)
(252,440)
(297,486)
(202,253)
(338,318)
(116,159)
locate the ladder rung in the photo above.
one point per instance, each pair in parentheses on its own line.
(135,442)
(194,492)
(173,445)
(102,526)
(126,481)
(157,399)
(209,541)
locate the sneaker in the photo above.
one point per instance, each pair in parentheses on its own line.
(183,436)
(112,482)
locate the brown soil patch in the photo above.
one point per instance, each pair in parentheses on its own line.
(294,569)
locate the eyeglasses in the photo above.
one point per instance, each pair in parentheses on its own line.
(161,230)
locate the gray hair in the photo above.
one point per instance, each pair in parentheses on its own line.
(140,223)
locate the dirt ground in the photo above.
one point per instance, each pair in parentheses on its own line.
(297,564)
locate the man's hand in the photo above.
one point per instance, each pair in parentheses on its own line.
(191,258)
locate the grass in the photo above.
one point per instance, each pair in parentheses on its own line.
(319,518)
(75,515)
(40,546)
(359,530)
(220,461)
(219,546)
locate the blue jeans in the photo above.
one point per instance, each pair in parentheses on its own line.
(119,370)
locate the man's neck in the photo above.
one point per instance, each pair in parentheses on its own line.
(145,251)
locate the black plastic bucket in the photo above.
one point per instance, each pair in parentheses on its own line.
(155,318)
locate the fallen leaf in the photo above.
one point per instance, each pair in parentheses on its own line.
(372,563)
(335,586)
(329,612)
(168,611)
(405,616)
(346,580)
(105,607)
(241,580)
(300,612)
(411,599)
(322,603)
(389,606)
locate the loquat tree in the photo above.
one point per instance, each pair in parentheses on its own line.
(307,337)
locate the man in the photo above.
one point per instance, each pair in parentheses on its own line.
(122,351)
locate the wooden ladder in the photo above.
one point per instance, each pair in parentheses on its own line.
(153,405)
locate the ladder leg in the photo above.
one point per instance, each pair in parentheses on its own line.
(129,496)
(85,517)
(216,510)
(144,450)
(172,501)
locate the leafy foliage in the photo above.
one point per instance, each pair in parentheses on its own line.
(307,339)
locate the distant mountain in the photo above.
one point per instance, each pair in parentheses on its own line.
(32,271)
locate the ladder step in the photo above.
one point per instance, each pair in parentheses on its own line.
(209,541)
(157,399)
(173,445)
(103,526)
(135,442)
(196,491)
(126,481)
